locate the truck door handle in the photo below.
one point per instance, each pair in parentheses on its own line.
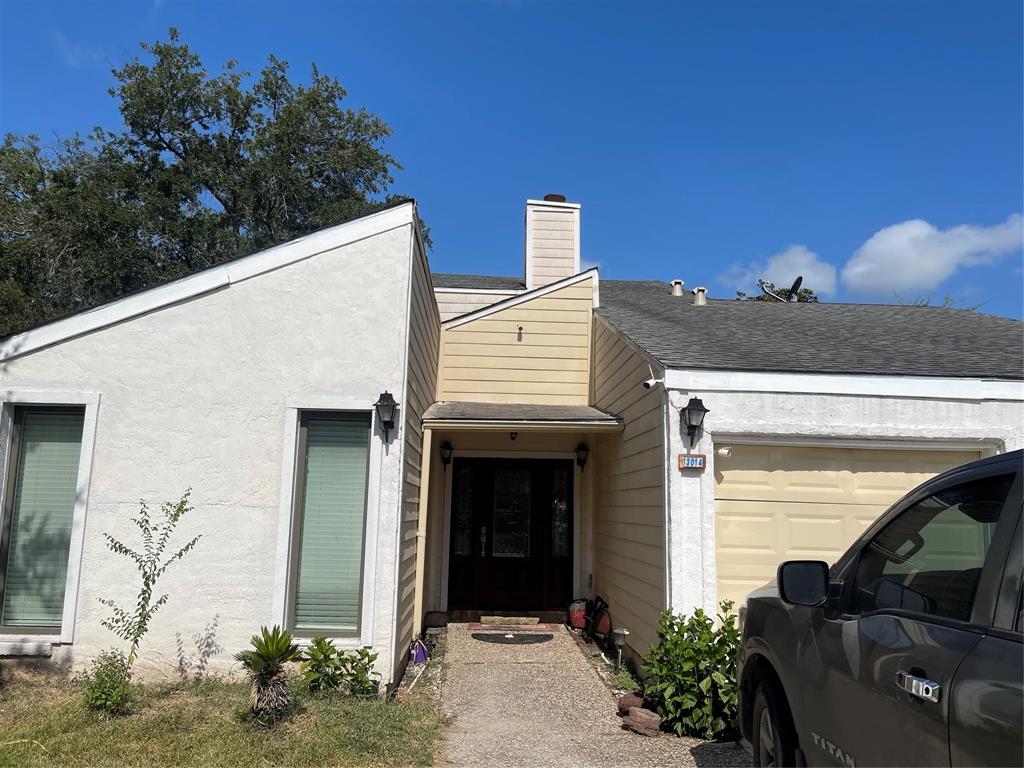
(920,687)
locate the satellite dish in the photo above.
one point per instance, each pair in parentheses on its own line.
(762,284)
(793,298)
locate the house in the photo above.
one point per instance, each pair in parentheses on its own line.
(535,456)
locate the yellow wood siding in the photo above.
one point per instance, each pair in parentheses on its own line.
(629,505)
(552,244)
(421,382)
(775,503)
(451,304)
(489,360)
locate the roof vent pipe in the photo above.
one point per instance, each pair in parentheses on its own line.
(700,296)
(677,287)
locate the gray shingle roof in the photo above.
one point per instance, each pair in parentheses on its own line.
(483,282)
(814,338)
(452,411)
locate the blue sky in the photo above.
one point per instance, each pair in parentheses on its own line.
(874,147)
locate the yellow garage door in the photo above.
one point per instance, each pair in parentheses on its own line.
(775,503)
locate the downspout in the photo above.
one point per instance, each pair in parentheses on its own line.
(666,479)
(421,531)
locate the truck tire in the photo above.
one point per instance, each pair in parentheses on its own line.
(773,736)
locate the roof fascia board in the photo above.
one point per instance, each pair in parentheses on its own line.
(513,301)
(506,425)
(207,281)
(921,387)
(496,291)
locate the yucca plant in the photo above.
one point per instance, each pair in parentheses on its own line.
(271,650)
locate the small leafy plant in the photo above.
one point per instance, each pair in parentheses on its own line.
(691,674)
(108,684)
(326,668)
(271,650)
(322,666)
(132,624)
(359,677)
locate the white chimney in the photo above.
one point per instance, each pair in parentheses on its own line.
(552,240)
(677,287)
(700,296)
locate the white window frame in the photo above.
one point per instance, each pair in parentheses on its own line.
(289,461)
(34,643)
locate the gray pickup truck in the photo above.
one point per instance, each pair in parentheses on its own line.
(908,650)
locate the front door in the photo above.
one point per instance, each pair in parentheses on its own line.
(511,535)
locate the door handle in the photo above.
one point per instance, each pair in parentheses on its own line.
(483,541)
(920,687)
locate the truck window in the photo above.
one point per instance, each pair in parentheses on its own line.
(929,558)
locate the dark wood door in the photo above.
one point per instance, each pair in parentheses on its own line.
(511,535)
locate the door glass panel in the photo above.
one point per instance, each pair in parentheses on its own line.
(511,513)
(560,512)
(929,559)
(462,510)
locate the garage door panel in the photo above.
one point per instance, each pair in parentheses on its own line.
(836,475)
(776,503)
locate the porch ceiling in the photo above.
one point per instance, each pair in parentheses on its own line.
(519,416)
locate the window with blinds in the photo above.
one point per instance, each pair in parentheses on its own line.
(38,511)
(330,520)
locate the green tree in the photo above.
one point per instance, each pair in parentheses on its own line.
(131,624)
(803,294)
(947,302)
(205,168)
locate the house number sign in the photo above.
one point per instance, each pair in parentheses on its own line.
(696,461)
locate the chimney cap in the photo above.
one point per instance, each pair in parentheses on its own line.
(554,197)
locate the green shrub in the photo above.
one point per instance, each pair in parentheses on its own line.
(322,666)
(108,687)
(326,668)
(271,650)
(691,674)
(358,675)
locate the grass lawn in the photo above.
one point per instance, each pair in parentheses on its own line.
(198,725)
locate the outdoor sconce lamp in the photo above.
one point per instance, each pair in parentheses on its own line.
(386,406)
(582,451)
(619,641)
(693,417)
(446,453)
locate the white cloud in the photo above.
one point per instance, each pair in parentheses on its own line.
(782,269)
(75,54)
(915,256)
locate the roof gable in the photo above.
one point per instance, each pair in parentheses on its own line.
(215,278)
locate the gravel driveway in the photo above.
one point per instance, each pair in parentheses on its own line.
(544,705)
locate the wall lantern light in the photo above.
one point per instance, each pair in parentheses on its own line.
(693,417)
(582,451)
(386,406)
(446,453)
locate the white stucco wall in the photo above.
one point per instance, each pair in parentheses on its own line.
(735,411)
(195,395)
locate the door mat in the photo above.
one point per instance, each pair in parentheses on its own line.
(510,638)
(510,621)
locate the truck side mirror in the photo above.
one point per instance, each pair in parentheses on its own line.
(803,582)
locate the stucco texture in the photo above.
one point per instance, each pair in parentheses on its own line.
(193,396)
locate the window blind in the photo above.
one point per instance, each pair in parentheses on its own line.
(333,517)
(43,505)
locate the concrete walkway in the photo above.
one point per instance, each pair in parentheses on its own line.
(545,705)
